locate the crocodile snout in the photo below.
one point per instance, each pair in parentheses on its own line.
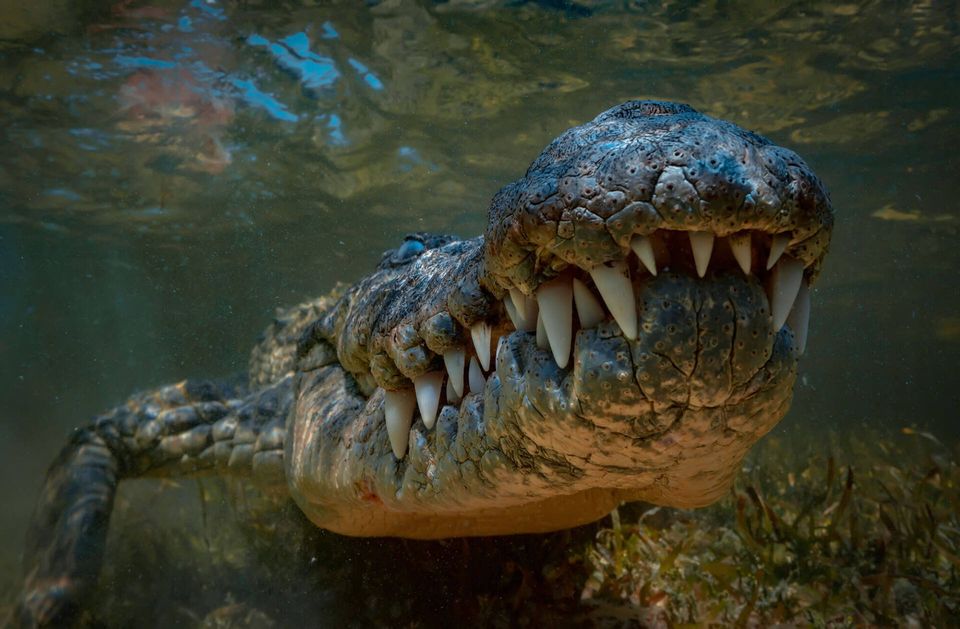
(627,327)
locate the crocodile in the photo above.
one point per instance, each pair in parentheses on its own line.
(626,328)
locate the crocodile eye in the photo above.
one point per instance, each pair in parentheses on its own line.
(409,249)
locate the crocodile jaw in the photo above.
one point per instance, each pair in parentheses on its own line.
(643,296)
(543,447)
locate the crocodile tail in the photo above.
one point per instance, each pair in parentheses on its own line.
(186,429)
(64,545)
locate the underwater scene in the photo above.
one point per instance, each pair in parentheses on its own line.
(178,176)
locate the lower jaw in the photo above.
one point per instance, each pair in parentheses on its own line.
(540,516)
(568,450)
(549,475)
(556,475)
(700,343)
(671,453)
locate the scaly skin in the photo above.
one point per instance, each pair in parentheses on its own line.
(659,401)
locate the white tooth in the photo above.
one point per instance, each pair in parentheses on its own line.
(542,341)
(516,298)
(428,387)
(556,309)
(777,247)
(454,359)
(799,318)
(398,409)
(702,245)
(452,396)
(524,315)
(533,311)
(481,342)
(614,285)
(785,283)
(513,314)
(477,381)
(588,307)
(642,246)
(740,245)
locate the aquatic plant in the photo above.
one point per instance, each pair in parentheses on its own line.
(863,532)
(823,543)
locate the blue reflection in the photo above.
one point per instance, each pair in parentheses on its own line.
(205,73)
(148,212)
(208,8)
(143,62)
(410,158)
(252,94)
(85,67)
(185,25)
(298,43)
(293,54)
(90,139)
(329,32)
(369,77)
(50,227)
(64,193)
(335,129)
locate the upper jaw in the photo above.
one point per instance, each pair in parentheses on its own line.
(618,344)
(607,216)
(647,188)
(629,289)
(644,168)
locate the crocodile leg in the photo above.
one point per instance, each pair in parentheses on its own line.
(185,429)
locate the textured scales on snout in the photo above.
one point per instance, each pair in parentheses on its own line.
(626,328)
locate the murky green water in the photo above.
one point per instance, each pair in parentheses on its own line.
(173,171)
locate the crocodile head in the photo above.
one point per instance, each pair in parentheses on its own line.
(626,328)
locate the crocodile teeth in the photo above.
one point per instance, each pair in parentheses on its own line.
(785,283)
(480,332)
(741,247)
(588,307)
(556,309)
(398,409)
(799,318)
(477,381)
(428,387)
(454,360)
(526,309)
(702,245)
(614,284)
(452,396)
(642,246)
(512,313)
(542,341)
(777,247)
